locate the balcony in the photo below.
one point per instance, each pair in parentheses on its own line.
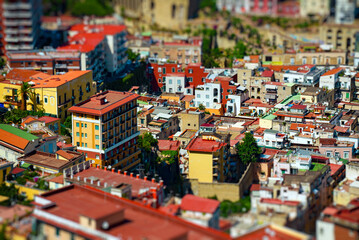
(11,39)
(17,6)
(17,14)
(60,65)
(12,100)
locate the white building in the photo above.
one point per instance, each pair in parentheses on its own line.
(208,95)
(306,75)
(234,102)
(345,11)
(175,83)
(330,79)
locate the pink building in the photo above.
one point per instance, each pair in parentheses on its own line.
(331,147)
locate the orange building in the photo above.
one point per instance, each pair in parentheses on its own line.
(105,129)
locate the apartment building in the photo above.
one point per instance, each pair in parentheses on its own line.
(183,53)
(105,129)
(330,79)
(208,156)
(208,95)
(20,25)
(102,48)
(47,61)
(314,7)
(54,93)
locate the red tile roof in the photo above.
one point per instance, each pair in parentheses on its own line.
(198,204)
(201,145)
(48,119)
(267,73)
(341,129)
(299,106)
(334,168)
(104,102)
(165,145)
(306,127)
(13,139)
(279,68)
(58,179)
(332,72)
(279,202)
(53,81)
(270,233)
(327,141)
(141,221)
(21,74)
(17,170)
(255,187)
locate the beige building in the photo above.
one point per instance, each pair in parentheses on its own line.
(342,37)
(315,95)
(191,119)
(182,53)
(169,14)
(314,7)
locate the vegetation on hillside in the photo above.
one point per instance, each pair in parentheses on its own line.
(248,150)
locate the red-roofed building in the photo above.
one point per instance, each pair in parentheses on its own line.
(208,158)
(74,207)
(168,145)
(103,46)
(274,232)
(329,79)
(105,129)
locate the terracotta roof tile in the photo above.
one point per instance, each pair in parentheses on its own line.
(333,71)
(199,204)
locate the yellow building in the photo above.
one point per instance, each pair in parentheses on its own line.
(5,169)
(29,192)
(105,129)
(55,94)
(208,158)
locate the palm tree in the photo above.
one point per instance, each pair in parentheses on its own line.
(36,105)
(24,93)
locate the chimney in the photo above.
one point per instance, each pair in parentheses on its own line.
(98,183)
(91,180)
(138,176)
(119,171)
(145,178)
(85,180)
(113,170)
(105,168)
(98,166)
(131,174)
(78,178)
(161,183)
(105,184)
(125,173)
(153,180)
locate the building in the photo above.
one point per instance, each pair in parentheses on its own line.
(345,11)
(332,147)
(314,7)
(20,25)
(242,6)
(191,119)
(5,169)
(208,156)
(122,184)
(183,53)
(102,48)
(201,211)
(46,123)
(339,222)
(330,79)
(75,212)
(15,143)
(339,36)
(105,129)
(172,14)
(47,61)
(53,163)
(54,93)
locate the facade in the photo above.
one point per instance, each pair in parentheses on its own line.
(172,14)
(208,159)
(330,79)
(191,119)
(20,25)
(105,129)
(340,36)
(15,143)
(345,11)
(54,93)
(5,169)
(47,61)
(314,7)
(208,95)
(183,53)
(330,147)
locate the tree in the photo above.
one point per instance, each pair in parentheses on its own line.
(90,7)
(201,107)
(132,56)
(34,102)
(147,141)
(248,150)
(68,122)
(24,94)
(2,62)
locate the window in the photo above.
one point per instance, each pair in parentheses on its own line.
(97,146)
(207,96)
(45,99)
(190,79)
(77,124)
(346,155)
(97,137)
(77,134)
(190,70)
(85,144)
(159,80)
(82,135)
(82,144)
(97,157)
(85,135)
(198,95)
(304,60)
(292,61)
(178,82)
(314,61)
(244,82)
(203,79)
(164,71)
(96,127)
(85,125)
(82,125)
(207,104)
(339,60)
(173,69)
(159,69)
(57,232)
(78,144)
(170,81)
